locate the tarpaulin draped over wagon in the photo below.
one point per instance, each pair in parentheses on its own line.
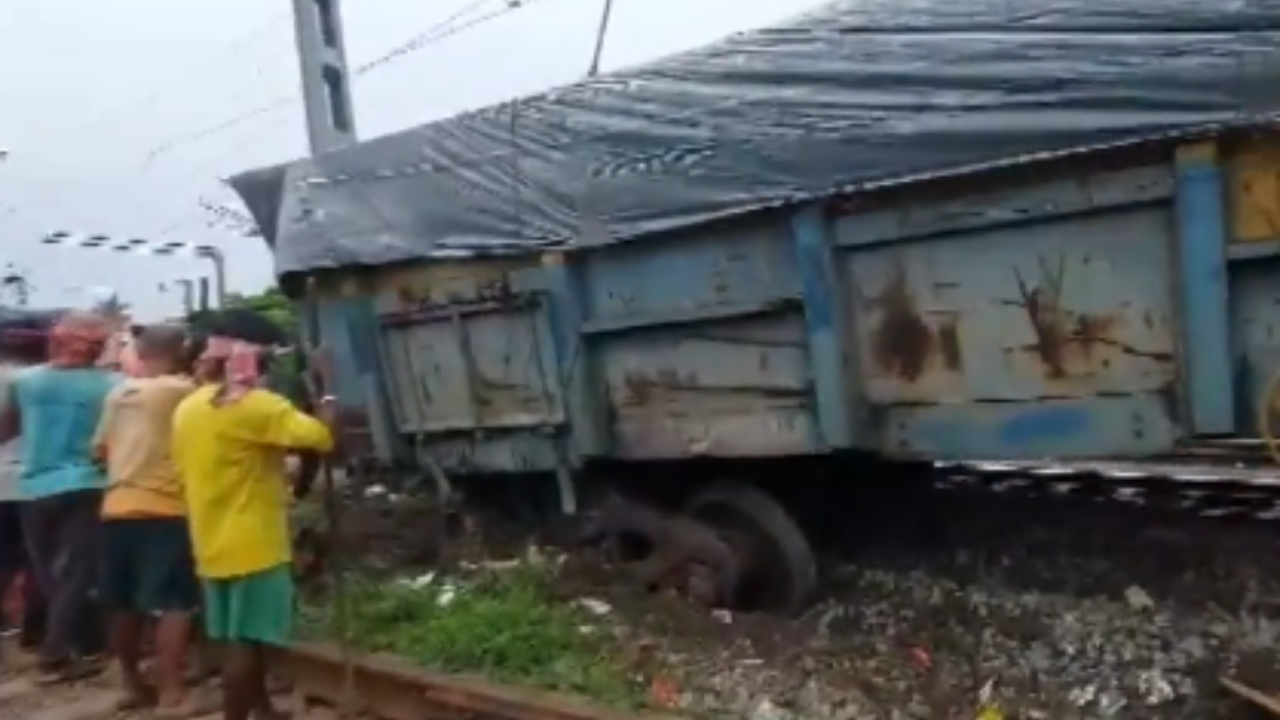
(861,91)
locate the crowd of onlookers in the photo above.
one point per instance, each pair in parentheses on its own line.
(142,487)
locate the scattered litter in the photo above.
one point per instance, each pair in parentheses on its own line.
(766,710)
(664,692)
(1138,598)
(1085,618)
(594,606)
(921,658)
(419,582)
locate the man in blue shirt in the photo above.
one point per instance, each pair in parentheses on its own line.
(19,348)
(56,407)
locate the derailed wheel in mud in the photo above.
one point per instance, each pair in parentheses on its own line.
(777,571)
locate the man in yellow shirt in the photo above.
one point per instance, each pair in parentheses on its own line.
(147,560)
(230,439)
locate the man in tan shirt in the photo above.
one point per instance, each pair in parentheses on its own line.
(148,568)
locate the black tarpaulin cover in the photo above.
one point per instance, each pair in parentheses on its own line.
(859,92)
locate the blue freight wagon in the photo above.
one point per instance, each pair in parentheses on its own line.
(784,265)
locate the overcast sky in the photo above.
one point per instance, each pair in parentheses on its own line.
(89,90)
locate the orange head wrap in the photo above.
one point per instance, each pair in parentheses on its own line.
(77,340)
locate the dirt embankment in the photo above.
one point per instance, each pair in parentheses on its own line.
(1028,609)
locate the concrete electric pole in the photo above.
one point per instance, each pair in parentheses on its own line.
(326,84)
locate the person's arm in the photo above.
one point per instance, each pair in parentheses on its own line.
(178,444)
(10,416)
(102,435)
(276,422)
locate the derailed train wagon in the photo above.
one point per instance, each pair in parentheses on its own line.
(763,263)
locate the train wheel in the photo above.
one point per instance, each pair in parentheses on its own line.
(779,572)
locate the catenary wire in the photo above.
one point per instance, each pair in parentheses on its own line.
(436,34)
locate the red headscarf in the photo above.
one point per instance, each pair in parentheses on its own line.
(77,340)
(241,372)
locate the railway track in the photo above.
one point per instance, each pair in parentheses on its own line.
(1222,487)
(319,684)
(1218,483)
(313,682)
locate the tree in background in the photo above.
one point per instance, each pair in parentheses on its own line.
(112,306)
(270,304)
(279,313)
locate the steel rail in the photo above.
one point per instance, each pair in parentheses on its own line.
(1257,698)
(389,688)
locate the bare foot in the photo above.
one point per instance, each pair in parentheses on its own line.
(182,708)
(135,699)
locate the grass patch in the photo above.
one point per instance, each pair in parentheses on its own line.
(505,626)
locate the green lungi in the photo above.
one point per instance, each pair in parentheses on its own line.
(255,608)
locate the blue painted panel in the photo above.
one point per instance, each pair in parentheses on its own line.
(735,266)
(1202,241)
(731,389)
(471,372)
(496,452)
(1095,427)
(1015,202)
(827,328)
(348,330)
(1067,308)
(1255,336)
(557,281)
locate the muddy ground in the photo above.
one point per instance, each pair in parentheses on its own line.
(944,605)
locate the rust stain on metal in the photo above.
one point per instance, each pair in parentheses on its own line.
(639,388)
(498,397)
(1069,343)
(422,296)
(949,344)
(904,344)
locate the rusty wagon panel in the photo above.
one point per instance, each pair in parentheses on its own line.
(732,389)
(1065,308)
(480,368)
(698,345)
(1110,304)
(1033,319)
(465,362)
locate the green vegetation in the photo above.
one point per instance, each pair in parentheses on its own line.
(270,303)
(506,627)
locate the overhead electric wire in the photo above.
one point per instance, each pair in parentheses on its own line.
(277,104)
(437,33)
(443,29)
(150,97)
(413,43)
(232,48)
